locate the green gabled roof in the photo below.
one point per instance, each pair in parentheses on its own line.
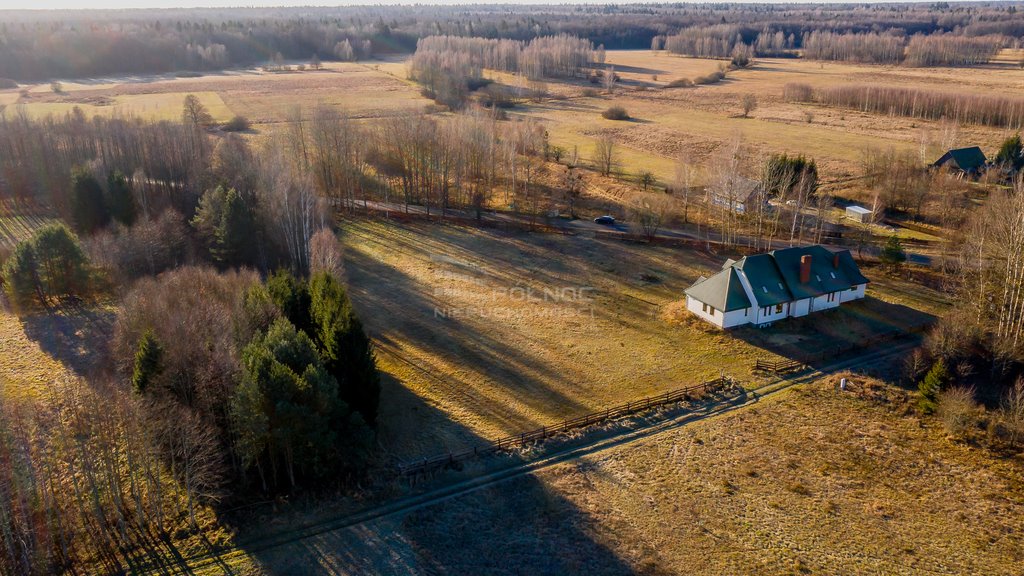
(966,159)
(723,291)
(850,268)
(824,276)
(767,283)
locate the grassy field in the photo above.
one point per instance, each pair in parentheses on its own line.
(852,483)
(361,90)
(483,334)
(693,123)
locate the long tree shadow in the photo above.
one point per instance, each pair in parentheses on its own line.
(76,336)
(521,526)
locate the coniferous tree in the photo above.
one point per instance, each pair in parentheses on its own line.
(148,362)
(121,199)
(89,210)
(236,234)
(935,381)
(292,298)
(892,254)
(347,350)
(1011,153)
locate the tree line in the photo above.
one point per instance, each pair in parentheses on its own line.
(38,46)
(986,109)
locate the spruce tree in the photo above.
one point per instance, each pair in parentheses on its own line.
(120,197)
(347,350)
(148,362)
(236,233)
(89,210)
(892,254)
(935,381)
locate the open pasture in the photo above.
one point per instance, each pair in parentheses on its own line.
(485,334)
(813,481)
(361,90)
(693,123)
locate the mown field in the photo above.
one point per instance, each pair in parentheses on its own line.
(265,98)
(851,483)
(693,123)
(484,333)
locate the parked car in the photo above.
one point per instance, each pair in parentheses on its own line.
(605,220)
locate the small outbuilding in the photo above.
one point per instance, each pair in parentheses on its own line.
(858,213)
(964,162)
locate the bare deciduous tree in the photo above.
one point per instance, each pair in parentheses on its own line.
(605,155)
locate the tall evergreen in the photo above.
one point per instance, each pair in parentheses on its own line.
(120,198)
(292,298)
(347,350)
(236,234)
(148,362)
(89,211)
(935,381)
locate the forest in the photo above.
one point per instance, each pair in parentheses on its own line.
(103,43)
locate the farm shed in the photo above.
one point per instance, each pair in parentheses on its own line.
(964,162)
(858,213)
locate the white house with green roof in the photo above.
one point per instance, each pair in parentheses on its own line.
(764,288)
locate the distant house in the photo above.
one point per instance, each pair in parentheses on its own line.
(963,162)
(738,194)
(858,213)
(764,288)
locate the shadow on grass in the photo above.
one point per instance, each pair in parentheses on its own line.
(818,338)
(521,526)
(76,336)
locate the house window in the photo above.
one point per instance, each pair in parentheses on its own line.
(854,289)
(831,296)
(778,308)
(705,308)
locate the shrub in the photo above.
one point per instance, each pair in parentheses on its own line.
(590,93)
(680,83)
(955,407)
(237,124)
(616,113)
(148,359)
(712,78)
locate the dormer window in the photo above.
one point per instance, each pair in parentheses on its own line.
(818,277)
(781,286)
(833,275)
(765,288)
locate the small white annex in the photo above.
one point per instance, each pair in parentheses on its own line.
(858,213)
(764,288)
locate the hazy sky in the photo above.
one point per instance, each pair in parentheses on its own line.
(78,4)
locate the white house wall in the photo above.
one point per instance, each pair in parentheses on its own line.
(772,315)
(729,319)
(800,308)
(820,303)
(697,307)
(856,294)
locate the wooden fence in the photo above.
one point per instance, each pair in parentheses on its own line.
(777,366)
(525,438)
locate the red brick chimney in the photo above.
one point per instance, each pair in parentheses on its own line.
(835,260)
(805,268)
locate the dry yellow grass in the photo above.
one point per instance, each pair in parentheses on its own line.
(468,352)
(25,368)
(813,481)
(693,123)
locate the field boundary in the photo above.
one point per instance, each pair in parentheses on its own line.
(780,366)
(450,459)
